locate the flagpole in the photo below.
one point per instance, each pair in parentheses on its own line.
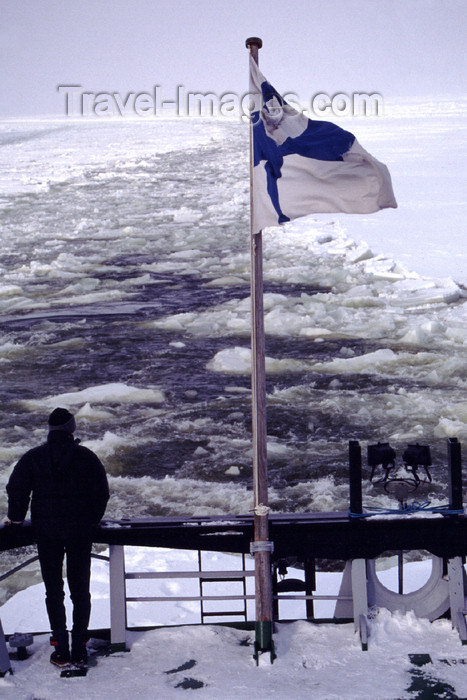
(261,547)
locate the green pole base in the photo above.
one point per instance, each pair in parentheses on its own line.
(264,641)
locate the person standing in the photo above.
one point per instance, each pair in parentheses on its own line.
(68,489)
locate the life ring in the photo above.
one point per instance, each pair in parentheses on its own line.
(430,601)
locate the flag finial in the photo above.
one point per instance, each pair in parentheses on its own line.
(254,41)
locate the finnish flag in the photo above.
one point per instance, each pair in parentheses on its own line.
(303,166)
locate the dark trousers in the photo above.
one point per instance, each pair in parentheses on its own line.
(78,567)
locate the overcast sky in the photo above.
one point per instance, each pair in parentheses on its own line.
(393,47)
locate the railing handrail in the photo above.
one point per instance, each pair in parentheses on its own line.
(205,574)
(332,535)
(17,568)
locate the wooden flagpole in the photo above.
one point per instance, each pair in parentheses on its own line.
(261,547)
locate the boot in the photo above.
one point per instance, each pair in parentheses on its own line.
(61,655)
(79,654)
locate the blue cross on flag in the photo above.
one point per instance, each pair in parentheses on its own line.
(303,166)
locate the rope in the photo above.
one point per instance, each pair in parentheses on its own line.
(408,509)
(261,510)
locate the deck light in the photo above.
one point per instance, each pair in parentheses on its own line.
(381,454)
(416,456)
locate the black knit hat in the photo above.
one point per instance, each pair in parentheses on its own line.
(61,419)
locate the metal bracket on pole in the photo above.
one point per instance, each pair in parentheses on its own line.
(261,546)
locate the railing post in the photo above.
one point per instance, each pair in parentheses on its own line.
(457,596)
(455,474)
(310,585)
(4,657)
(117,597)
(355,477)
(360,600)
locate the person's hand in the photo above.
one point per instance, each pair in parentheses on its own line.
(6,521)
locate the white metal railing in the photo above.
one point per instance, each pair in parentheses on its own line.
(118,576)
(119,598)
(358,584)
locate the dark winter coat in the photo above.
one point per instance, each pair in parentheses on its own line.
(68,485)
